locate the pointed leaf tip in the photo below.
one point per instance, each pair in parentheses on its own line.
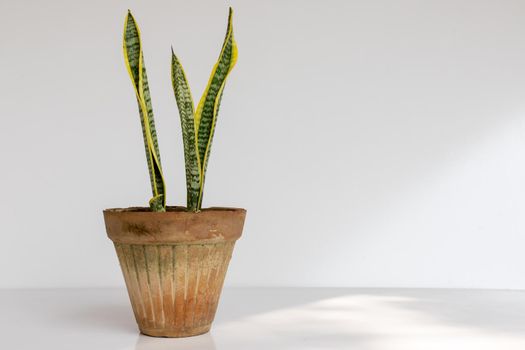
(130,17)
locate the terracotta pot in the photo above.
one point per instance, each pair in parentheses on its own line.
(174,264)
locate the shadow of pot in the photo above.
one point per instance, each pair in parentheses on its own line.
(201,342)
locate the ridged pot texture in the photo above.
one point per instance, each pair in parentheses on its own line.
(174,264)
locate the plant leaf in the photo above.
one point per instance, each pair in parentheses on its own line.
(135,64)
(189,132)
(208,108)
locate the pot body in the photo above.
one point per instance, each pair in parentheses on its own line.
(174,264)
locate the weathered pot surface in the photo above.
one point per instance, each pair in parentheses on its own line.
(174,264)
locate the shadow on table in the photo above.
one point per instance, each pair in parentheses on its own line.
(100,309)
(200,342)
(110,309)
(366,318)
(237,303)
(378,319)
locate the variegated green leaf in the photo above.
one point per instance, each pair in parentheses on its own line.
(135,64)
(208,108)
(189,132)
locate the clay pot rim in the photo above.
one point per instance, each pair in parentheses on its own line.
(139,225)
(170,210)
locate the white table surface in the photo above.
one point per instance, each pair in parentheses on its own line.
(273,319)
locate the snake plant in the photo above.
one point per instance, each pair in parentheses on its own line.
(198,126)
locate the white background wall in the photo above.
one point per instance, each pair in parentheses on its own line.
(374,143)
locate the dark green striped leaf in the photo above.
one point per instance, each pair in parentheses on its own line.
(135,64)
(208,108)
(189,132)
